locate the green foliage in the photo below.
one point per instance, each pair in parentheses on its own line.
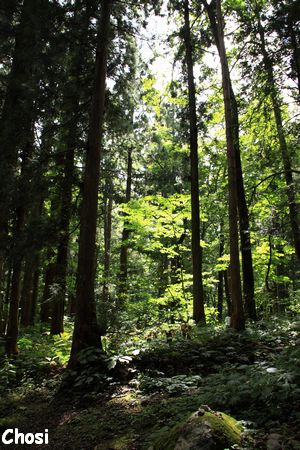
(172,385)
(89,375)
(41,355)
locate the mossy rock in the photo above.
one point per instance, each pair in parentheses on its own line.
(203,430)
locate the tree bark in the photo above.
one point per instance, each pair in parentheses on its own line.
(227,293)
(198,292)
(244,225)
(86,330)
(125,234)
(237,317)
(220,278)
(61,266)
(72,97)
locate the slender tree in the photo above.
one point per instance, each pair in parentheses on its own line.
(126,232)
(244,225)
(237,317)
(198,292)
(221,276)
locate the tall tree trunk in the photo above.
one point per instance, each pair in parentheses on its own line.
(244,225)
(227,293)
(61,267)
(198,292)
(237,317)
(72,97)
(273,92)
(86,330)
(125,233)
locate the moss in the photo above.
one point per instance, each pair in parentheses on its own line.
(126,400)
(121,443)
(222,429)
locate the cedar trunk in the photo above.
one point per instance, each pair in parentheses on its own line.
(220,278)
(244,226)
(86,330)
(198,292)
(125,233)
(237,317)
(61,266)
(72,97)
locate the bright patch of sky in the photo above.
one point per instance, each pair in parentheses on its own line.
(154,47)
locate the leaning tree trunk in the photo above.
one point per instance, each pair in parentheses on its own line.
(87,333)
(237,317)
(198,292)
(292,203)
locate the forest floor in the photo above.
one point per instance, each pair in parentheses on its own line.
(253,376)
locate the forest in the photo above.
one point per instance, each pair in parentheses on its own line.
(150,224)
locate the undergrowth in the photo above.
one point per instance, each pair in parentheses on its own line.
(254,376)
